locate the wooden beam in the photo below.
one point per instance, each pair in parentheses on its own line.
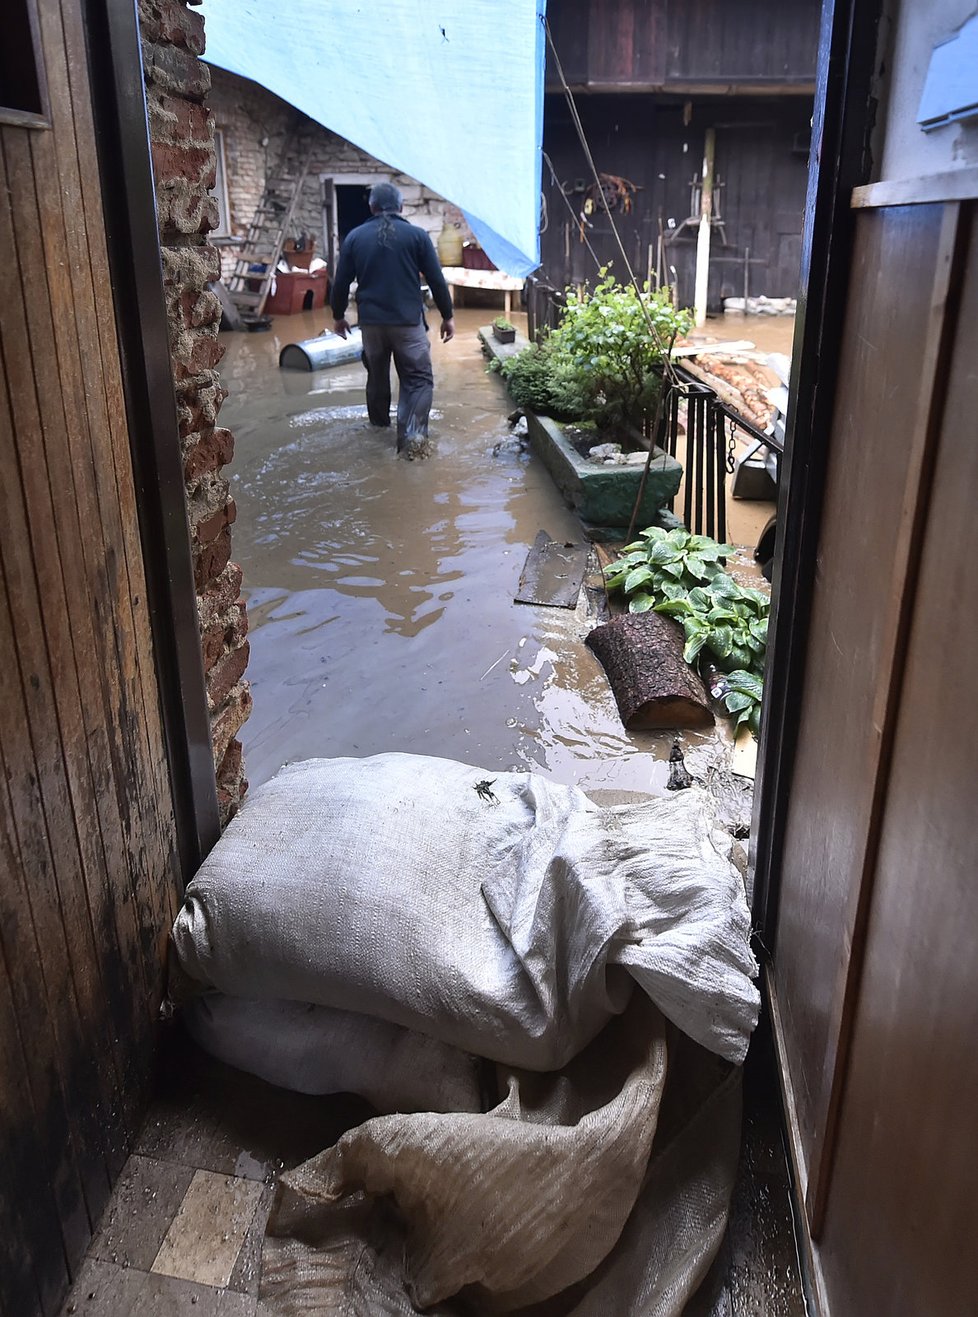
(954,185)
(703,236)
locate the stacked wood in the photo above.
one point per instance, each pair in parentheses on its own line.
(739,382)
(653,685)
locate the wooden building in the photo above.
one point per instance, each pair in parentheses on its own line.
(863,851)
(650,78)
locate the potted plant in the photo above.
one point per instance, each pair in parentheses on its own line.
(503,331)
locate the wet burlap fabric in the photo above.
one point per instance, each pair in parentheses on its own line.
(601,1190)
(600,956)
(506,915)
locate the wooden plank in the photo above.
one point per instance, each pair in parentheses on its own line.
(553,573)
(832,794)
(90,517)
(77,530)
(135,644)
(30,919)
(955,185)
(47,667)
(899,1231)
(894,612)
(32,1261)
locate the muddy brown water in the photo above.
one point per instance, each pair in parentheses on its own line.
(381,591)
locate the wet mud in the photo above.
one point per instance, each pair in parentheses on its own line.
(381,591)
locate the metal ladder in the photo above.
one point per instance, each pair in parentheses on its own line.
(263,243)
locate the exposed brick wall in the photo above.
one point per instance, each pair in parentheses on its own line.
(182,140)
(260,129)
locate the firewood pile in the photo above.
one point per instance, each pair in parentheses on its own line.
(740,383)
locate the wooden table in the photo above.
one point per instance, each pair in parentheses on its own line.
(494,280)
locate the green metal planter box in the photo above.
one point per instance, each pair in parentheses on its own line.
(603,495)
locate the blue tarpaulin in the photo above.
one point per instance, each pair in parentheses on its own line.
(447,91)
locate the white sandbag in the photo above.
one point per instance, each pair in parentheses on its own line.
(315,1049)
(497,913)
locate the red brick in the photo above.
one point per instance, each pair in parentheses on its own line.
(213,449)
(226,673)
(212,559)
(211,526)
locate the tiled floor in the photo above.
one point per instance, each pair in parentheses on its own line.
(183,1232)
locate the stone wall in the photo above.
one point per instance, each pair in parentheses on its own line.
(182,140)
(260,131)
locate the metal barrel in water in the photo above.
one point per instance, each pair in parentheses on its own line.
(319,353)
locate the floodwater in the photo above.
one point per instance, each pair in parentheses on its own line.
(767,333)
(381,591)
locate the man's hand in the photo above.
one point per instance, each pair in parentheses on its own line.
(447,330)
(341,327)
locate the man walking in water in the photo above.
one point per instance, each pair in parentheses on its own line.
(386,256)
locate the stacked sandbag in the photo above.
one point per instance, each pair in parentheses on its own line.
(315,1049)
(503,915)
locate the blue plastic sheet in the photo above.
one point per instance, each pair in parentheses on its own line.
(447,91)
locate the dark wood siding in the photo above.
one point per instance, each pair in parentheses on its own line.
(761,165)
(679,45)
(88,879)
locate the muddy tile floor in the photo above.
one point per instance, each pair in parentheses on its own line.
(182,1233)
(380,595)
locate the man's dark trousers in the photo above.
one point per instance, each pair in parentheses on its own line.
(408,345)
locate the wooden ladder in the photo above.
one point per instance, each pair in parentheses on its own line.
(249,288)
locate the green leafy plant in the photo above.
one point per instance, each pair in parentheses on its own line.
(502,323)
(742,699)
(541,380)
(601,364)
(681,575)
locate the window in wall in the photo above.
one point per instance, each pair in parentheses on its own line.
(23,90)
(220,190)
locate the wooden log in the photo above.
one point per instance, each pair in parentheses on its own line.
(654,686)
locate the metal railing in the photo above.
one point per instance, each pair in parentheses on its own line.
(544,304)
(709,450)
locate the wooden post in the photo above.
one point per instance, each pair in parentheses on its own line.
(703,238)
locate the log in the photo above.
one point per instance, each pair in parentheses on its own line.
(654,686)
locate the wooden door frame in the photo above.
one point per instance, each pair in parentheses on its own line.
(845,112)
(132,236)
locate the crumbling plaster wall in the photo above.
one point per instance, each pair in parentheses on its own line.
(259,129)
(182,141)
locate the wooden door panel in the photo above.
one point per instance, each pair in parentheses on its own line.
(834,779)
(900,1220)
(88,872)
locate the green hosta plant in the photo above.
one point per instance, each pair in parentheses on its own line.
(665,565)
(682,576)
(742,698)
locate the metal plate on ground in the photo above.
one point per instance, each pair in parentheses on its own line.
(553,573)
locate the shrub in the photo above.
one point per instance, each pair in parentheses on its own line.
(601,363)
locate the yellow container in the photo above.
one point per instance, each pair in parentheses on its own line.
(449,245)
